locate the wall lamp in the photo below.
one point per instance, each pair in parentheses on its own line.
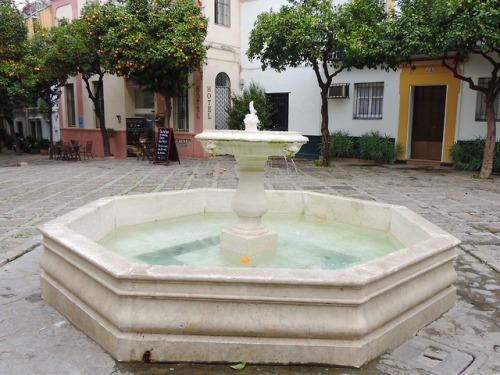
(119,117)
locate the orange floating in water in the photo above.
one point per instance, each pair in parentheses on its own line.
(320,221)
(221,171)
(244,259)
(211,173)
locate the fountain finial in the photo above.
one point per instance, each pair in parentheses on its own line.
(252,109)
(251,120)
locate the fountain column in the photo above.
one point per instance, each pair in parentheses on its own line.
(248,236)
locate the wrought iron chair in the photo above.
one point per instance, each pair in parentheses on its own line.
(86,152)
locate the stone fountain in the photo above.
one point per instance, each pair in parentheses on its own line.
(251,149)
(228,314)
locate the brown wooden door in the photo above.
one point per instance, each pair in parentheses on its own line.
(429,104)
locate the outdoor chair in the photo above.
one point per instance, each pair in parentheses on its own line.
(86,152)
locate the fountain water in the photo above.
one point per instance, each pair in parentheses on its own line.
(228,314)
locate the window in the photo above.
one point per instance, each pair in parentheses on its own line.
(369,100)
(222,12)
(144,99)
(222,100)
(100,97)
(36,128)
(280,116)
(481,104)
(70,105)
(181,112)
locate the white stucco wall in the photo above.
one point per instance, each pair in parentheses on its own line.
(341,111)
(304,98)
(223,56)
(467,127)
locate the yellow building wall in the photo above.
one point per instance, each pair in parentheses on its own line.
(427,73)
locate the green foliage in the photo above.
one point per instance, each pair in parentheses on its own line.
(31,143)
(451,31)
(468,155)
(375,146)
(371,145)
(48,72)
(240,108)
(16,80)
(44,143)
(325,37)
(343,145)
(157,43)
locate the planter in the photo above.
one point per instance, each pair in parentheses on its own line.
(44,151)
(355,161)
(34,150)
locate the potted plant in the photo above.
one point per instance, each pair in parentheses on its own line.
(32,145)
(44,144)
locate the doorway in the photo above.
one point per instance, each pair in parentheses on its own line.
(429,104)
(222,100)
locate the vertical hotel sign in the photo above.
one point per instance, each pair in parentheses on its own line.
(209,102)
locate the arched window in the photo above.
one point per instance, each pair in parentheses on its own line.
(222,100)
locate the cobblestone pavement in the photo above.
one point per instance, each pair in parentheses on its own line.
(35,339)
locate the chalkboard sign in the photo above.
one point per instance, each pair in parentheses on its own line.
(165,149)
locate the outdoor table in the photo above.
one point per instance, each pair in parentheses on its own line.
(70,152)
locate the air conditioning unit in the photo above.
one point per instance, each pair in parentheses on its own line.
(338,91)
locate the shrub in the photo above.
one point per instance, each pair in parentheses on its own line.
(31,143)
(468,155)
(240,108)
(44,143)
(343,145)
(375,146)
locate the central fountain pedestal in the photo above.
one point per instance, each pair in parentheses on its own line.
(248,237)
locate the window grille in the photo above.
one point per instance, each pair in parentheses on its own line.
(280,106)
(222,12)
(222,100)
(70,105)
(369,100)
(481,104)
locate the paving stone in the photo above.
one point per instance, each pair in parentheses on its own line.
(35,339)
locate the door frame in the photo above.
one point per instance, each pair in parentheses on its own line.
(427,73)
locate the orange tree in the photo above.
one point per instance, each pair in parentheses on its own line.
(78,48)
(452,31)
(49,75)
(158,44)
(327,38)
(16,81)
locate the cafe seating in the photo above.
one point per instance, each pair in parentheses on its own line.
(71,151)
(86,152)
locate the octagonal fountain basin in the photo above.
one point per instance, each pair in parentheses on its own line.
(214,313)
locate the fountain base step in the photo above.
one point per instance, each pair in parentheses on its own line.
(132,346)
(248,246)
(343,317)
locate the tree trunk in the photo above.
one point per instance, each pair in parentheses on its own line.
(168,110)
(104,134)
(13,133)
(490,141)
(98,101)
(325,132)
